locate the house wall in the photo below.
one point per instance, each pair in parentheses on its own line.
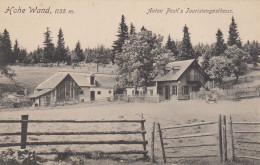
(67,90)
(150,90)
(104,95)
(86,94)
(183,81)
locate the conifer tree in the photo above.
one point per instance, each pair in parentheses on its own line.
(15,51)
(79,53)
(49,49)
(143,28)
(170,44)
(7,47)
(187,51)
(122,36)
(233,38)
(60,52)
(220,45)
(132,29)
(4,69)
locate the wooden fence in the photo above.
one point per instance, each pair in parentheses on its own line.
(24,133)
(218,133)
(137,98)
(236,141)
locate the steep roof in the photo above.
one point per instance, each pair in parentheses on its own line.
(82,79)
(105,80)
(170,76)
(52,81)
(40,93)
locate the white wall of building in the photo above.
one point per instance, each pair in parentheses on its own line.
(103,93)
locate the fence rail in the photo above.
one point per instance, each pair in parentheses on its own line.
(234,142)
(24,125)
(168,145)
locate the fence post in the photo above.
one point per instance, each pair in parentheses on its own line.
(143,135)
(220,138)
(162,145)
(232,141)
(152,143)
(24,126)
(225,138)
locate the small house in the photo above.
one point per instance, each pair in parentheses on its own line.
(59,88)
(76,87)
(179,79)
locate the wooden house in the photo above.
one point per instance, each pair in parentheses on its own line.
(179,79)
(59,88)
(76,87)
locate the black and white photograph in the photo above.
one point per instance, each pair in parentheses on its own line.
(110,82)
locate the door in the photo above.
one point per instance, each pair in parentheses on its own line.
(92,95)
(67,90)
(167,92)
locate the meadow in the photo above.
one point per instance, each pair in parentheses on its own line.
(165,113)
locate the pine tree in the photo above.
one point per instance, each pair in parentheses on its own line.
(15,51)
(220,45)
(60,52)
(79,53)
(187,51)
(7,47)
(49,49)
(143,28)
(132,29)
(122,36)
(170,45)
(233,38)
(253,49)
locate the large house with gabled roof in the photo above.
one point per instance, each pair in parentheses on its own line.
(65,87)
(179,79)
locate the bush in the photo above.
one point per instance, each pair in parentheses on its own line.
(19,157)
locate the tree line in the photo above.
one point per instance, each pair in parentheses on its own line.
(140,55)
(50,53)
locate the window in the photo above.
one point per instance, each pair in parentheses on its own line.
(99,92)
(133,92)
(92,80)
(160,90)
(186,90)
(151,92)
(166,71)
(175,70)
(81,92)
(174,90)
(109,92)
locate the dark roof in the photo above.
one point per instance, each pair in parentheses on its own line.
(105,80)
(181,65)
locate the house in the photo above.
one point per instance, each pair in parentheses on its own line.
(58,88)
(76,87)
(179,79)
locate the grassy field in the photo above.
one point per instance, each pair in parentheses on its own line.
(31,76)
(165,113)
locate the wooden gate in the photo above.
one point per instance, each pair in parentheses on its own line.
(242,145)
(168,144)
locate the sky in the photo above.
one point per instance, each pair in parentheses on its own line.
(96,22)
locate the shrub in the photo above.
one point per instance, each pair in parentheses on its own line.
(19,156)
